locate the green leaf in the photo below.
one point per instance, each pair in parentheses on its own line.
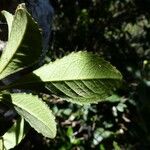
(14,135)
(79,77)
(9,18)
(116,146)
(24,45)
(1,144)
(114,98)
(35,112)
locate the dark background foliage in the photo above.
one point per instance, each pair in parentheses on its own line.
(119,31)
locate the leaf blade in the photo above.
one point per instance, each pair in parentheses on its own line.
(24,44)
(78,66)
(9,18)
(35,112)
(14,135)
(79,77)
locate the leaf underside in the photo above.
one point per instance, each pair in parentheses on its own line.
(35,112)
(9,17)
(24,45)
(79,77)
(14,135)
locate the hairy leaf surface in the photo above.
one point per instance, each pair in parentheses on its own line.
(35,112)
(79,77)
(24,46)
